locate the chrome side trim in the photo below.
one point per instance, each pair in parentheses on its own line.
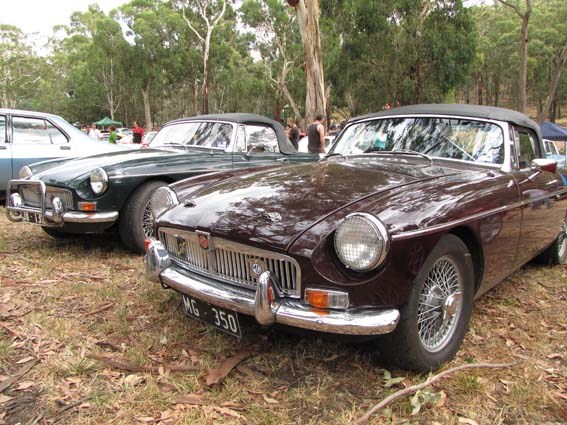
(286,311)
(477,216)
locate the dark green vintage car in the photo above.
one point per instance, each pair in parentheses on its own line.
(96,193)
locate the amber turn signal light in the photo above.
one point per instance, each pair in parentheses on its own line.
(87,206)
(324,298)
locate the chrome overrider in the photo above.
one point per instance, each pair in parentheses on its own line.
(267,304)
(50,214)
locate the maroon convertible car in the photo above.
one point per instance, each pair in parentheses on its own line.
(413,213)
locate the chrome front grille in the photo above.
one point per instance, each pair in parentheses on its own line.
(230,261)
(31,196)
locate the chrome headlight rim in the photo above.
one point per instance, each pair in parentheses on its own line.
(98,181)
(171,201)
(25,172)
(380,231)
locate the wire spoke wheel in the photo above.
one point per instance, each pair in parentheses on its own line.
(148,220)
(562,243)
(440,304)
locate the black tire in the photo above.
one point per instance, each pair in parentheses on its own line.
(435,318)
(136,220)
(557,251)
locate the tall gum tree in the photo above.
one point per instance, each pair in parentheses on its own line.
(207,11)
(525,17)
(307,12)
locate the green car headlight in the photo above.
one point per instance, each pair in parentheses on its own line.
(163,199)
(361,242)
(98,181)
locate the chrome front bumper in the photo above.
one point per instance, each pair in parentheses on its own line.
(266,304)
(55,216)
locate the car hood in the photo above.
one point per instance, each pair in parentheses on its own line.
(119,164)
(276,206)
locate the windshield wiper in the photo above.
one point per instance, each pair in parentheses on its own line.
(335,154)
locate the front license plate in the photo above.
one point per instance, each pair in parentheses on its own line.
(225,320)
(32,217)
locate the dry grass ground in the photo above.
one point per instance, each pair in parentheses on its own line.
(61,303)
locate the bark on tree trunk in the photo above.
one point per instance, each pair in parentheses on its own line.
(147,110)
(524,60)
(553,87)
(308,18)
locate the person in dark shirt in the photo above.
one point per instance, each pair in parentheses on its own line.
(137,133)
(316,136)
(294,135)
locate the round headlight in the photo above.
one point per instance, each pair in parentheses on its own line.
(99,181)
(361,242)
(163,199)
(25,172)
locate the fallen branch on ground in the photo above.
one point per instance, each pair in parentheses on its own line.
(414,388)
(99,310)
(12,331)
(147,369)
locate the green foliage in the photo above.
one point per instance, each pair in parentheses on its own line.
(143,59)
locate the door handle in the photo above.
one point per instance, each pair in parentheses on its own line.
(65,148)
(282,160)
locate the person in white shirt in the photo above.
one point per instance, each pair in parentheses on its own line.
(94,132)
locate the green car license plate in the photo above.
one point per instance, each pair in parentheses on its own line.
(225,320)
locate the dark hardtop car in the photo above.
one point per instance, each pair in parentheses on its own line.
(414,212)
(95,193)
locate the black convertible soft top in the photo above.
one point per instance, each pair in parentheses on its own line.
(473,111)
(246,118)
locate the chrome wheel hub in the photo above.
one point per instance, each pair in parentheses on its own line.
(440,304)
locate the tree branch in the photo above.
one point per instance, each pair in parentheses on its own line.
(512,6)
(414,388)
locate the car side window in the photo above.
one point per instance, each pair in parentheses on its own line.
(30,131)
(57,137)
(527,148)
(2,129)
(261,139)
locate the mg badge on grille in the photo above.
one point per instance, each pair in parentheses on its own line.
(203,241)
(257,267)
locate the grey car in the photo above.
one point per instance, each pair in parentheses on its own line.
(27,137)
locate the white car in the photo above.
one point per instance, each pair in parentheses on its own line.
(27,137)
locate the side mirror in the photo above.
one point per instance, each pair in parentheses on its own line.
(544,164)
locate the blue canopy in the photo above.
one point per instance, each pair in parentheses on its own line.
(551,131)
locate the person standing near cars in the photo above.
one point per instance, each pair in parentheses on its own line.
(94,132)
(316,136)
(137,133)
(294,135)
(113,136)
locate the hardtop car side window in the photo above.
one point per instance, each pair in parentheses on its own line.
(2,129)
(57,137)
(261,139)
(30,131)
(526,147)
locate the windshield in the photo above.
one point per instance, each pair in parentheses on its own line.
(205,134)
(441,137)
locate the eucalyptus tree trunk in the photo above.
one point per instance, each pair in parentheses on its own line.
(307,12)
(210,22)
(147,110)
(544,113)
(523,83)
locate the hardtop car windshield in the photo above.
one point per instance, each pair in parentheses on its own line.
(454,138)
(205,134)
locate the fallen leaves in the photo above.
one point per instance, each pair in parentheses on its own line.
(214,376)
